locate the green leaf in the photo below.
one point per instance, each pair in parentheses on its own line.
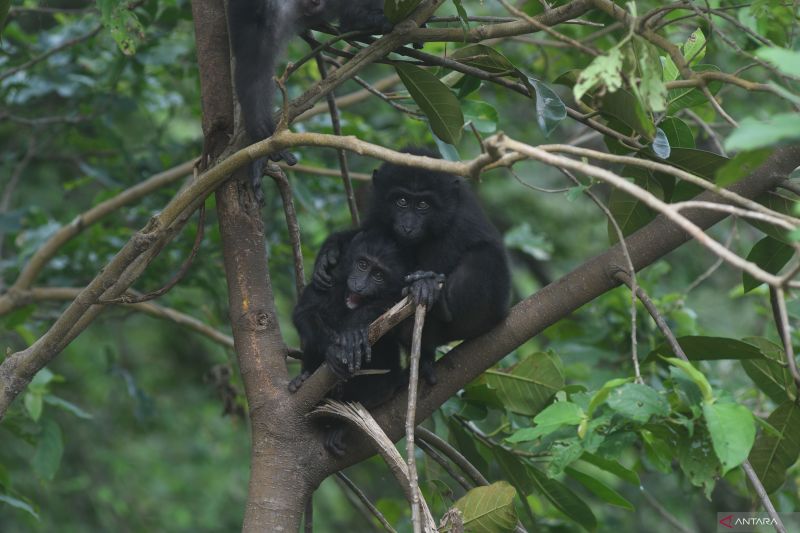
(523,238)
(704,164)
(549,420)
(704,348)
(742,165)
(397,10)
(433,97)
(771,374)
(678,133)
(528,386)
(638,402)
(67,406)
(599,488)
(651,89)
(695,375)
(604,70)
(487,59)
(33,404)
(123,25)
(612,467)
(628,109)
(732,430)
(49,449)
(600,396)
(463,17)
(482,115)
(489,509)
(18,504)
(682,98)
(669,69)
(770,255)
(563,499)
(787,61)
(753,133)
(631,213)
(772,456)
(550,109)
(697,459)
(694,49)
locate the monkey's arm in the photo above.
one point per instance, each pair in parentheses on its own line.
(328,257)
(476,293)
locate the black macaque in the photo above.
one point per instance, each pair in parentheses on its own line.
(333,321)
(437,220)
(259,31)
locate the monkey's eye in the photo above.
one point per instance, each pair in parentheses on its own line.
(378,276)
(361,264)
(423,205)
(401,202)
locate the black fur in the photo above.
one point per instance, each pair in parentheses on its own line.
(438,221)
(332,323)
(259,31)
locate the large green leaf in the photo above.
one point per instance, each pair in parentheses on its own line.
(785,60)
(695,375)
(626,107)
(773,455)
(732,431)
(682,98)
(769,254)
(487,59)
(638,402)
(526,387)
(552,418)
(489,509)
(696,457)
(19,504)
(49,448)
(599,488)
(631,213)
(704,348)
(755,133)
(435,99)
(742,165)
(612,467)
(563,498)
(678,133)
(771,374)
(605,70)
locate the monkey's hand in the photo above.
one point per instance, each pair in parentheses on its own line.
(424,287)
(327,259)
(347,351)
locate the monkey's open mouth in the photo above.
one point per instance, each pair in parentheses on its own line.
(352,300)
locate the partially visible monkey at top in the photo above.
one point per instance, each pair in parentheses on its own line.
(259,31)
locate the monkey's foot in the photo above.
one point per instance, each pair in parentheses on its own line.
(298,381)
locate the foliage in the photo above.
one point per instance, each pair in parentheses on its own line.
(124,429)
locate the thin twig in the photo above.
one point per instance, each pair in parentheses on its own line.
(782,324)
(413,377)
(129,298)
(336,123)
(287,197)
(441,461)
(347,482)
(763,496)
(451,453)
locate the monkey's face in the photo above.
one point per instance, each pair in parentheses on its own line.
(367,280)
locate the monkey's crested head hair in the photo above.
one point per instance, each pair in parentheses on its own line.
(414,203)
